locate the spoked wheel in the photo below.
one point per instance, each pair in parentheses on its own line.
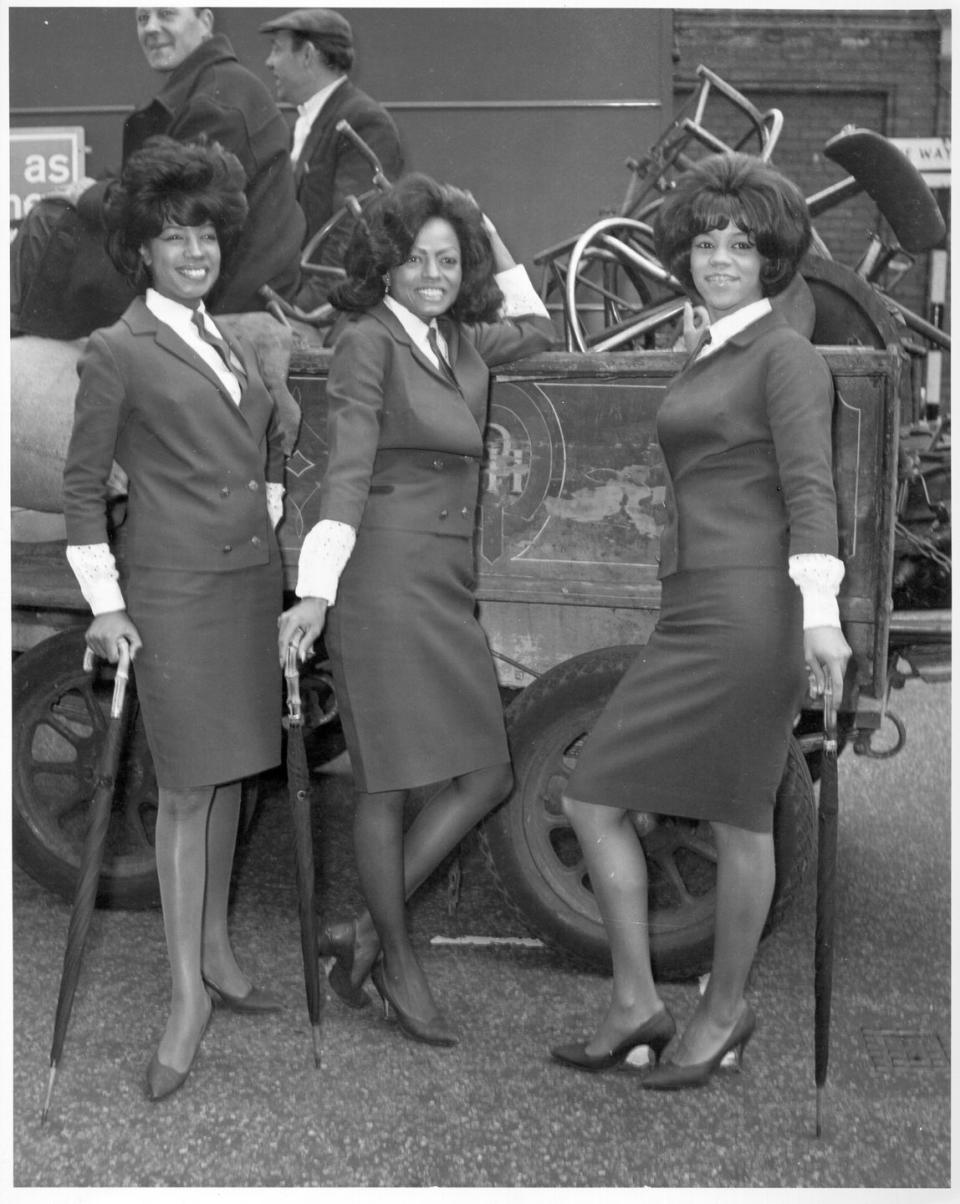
(617,294)
(60,715)
(537,860)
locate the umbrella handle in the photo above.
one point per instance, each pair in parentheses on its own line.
(292,675)
(122,675)
(829,721)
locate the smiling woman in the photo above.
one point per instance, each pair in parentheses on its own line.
(186,415)
(433,300)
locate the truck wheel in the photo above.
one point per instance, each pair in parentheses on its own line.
(59,718)
(535,857)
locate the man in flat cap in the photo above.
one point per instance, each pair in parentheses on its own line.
(205,91)
(311,55)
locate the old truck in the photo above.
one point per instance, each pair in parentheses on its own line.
(567,533)
(567,538)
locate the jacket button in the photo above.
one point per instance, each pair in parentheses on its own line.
(438,465)
(253,486)
(225,491)
(443,513)
(255,540)
(227,547)
(465,511)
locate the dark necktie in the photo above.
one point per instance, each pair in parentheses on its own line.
(435,348)
(220,345)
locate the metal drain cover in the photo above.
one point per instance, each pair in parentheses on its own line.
(890,1049)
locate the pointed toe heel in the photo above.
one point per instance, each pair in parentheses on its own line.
(670,1076)
(656,1033)
(163,1080)
(431,1030)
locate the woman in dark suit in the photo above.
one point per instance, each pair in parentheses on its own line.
(194,429)
(699,725)
(418,695)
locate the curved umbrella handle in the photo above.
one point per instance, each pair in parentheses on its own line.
(122,676)
(292,675)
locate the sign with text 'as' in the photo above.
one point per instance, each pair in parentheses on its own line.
(43,159)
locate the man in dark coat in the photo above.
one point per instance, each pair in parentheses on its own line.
(310,57)
(205,92)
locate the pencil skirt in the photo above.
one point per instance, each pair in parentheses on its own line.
(208,676)
(415,681)
(699,724)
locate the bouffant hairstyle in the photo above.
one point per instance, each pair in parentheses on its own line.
(736,188)
(390,225)
(169,182)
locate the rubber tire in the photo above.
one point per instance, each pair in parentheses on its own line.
(533,855)
(52,714)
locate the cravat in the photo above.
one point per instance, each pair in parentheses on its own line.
(221,345)
(445,367)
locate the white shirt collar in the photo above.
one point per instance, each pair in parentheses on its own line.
(310,108)
(417,329)
(180,317)
(724,329)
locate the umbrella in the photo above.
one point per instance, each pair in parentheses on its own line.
(91,859)
(826,891)
(301,795)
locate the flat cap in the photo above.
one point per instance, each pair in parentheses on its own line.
(316,21)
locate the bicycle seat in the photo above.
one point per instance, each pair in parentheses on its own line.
(888,177)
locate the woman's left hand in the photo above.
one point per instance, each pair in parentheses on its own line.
(826,652)
(300,627)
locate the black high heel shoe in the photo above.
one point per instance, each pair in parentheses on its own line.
(163,1080)
(255,1002)
(432,1030)
(657,1033)
(339,941)
(671,1077)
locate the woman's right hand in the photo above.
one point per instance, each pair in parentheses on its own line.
(300,627)
(695,321)
(105,632)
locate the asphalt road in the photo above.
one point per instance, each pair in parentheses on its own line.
(496,1112)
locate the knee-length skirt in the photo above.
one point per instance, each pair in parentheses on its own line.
(416,686)
(699,724)
(208,676)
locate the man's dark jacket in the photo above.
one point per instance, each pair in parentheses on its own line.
(63,285)
(211,93)
(331,168)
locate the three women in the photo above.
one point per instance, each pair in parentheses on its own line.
(749,572)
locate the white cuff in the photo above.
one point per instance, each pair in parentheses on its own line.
(275,492)
(96,572)
(519,296)
(818,578)
(324,554)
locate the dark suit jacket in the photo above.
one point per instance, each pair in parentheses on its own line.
(746,436)
(211,93)
(197,463)
(330,169)
(406,442)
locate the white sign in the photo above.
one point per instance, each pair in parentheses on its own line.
(43,158)
(931,157)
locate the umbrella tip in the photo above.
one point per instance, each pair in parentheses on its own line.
(819,1110)
(46,1102)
